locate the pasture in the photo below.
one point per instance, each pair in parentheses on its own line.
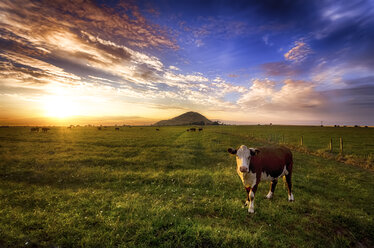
(138,187)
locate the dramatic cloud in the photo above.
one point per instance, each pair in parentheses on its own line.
(249,59)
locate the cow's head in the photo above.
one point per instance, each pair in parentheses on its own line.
(243,157)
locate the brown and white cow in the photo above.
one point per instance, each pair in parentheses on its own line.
(263,164)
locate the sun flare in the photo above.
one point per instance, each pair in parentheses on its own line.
(60,107)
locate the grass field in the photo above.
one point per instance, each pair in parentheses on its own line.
(139,187)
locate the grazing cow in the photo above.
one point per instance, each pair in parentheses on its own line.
(157,129)
(193,129)
(98,128)
(34,129)
(45,129)
(200,129)
(117,128)
(266,164)
(188,130)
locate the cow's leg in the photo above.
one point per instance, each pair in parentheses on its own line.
(247,189)
(251,208)
(289,186)
(273,184)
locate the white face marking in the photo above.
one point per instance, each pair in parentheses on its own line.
(243,158)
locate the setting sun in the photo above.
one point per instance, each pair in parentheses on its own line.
(60,107)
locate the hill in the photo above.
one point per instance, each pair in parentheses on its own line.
(188,118)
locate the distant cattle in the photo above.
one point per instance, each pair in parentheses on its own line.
(193,129)
(117,128)
(157,129)
(266,164)
(200,129)
(98,128)
(188,130)
(45,129)
(34,129)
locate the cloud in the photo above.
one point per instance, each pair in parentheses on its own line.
(174,68)
(299,52)
(233,75)
(289,96)
(265,38)
(220,26)
(282,68)
(123,23)
(358,95)
(109,59)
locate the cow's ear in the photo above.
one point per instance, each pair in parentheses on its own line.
(232,150)
(254,151)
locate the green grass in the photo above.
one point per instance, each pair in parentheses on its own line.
(138,187)
(358,145)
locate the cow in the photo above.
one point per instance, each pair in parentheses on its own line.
(263,164)
(200,129)
(45,129)
(117,128)
(193,129)
(34,129)
(98,128)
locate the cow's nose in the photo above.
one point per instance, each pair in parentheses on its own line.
(243,169)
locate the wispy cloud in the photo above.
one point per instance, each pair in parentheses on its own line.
(298,52)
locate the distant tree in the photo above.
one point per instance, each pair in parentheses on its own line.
(202,123)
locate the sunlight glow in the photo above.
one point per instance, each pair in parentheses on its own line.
(60,106)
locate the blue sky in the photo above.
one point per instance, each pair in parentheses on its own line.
(136,62)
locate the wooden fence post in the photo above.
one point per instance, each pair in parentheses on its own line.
(341,145)
(301,141)
(330,144)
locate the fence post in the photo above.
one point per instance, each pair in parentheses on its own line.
(301,141)
(341,145)
(330,144)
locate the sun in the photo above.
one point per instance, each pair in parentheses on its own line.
(60,106)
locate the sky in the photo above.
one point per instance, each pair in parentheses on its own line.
(137,62)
